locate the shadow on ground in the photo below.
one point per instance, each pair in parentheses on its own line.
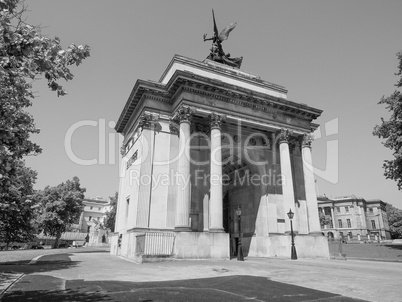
(229,288)
(395,247)
(46,263)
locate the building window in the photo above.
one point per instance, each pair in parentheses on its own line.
(91,208)
(89,218)
(373,224)
(348,223)
(338,209)
(347,209)
(340,223)
(99,208)
(371,210)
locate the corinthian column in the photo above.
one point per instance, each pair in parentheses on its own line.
(182,220)
(309,186)
(287,178)
(216,202)
(147,124)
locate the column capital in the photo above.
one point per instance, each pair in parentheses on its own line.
(184,114)
(174,127)
(123,150)
(307,140)
(147,120)
(283,135)
(215,120)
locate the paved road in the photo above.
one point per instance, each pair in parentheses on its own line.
(41,284)
(101,277)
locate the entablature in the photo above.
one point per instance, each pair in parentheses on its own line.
(185,81)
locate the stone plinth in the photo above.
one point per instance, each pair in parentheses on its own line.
(202,245)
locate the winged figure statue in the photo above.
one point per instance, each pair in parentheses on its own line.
(217,54)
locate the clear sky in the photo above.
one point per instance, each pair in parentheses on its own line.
(338,56)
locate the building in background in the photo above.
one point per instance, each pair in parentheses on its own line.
(94,211)
(354,218)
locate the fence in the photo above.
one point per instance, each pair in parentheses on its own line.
(155,243)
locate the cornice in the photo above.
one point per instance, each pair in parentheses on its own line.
(187,81)
(224,70)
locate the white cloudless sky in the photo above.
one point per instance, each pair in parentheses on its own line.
(338,56)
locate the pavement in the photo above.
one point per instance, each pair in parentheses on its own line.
(95,275)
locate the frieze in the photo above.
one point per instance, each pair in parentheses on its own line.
(258,103)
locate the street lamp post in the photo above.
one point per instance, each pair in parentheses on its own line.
(293,248)
(240,256)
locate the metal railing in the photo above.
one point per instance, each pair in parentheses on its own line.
(155,243)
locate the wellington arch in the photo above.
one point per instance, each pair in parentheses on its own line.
(204,141)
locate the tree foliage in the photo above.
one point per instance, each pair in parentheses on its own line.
(391,130)
(395,220)
(110,219)
(25,56)
(324,219)
(17,207)
(59,207)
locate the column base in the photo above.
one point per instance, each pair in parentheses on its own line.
(217,230)
(182,229)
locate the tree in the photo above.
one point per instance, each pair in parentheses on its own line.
(60,206)
(110,219)
(395,220)
(25,56)
(17,207)
(391,130)
(324,219)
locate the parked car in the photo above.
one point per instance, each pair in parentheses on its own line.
(37,247)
